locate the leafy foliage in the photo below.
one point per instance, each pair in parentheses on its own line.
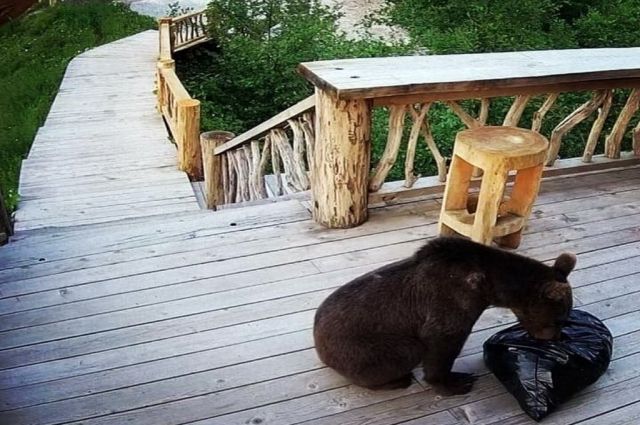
(34,52)
(250,74)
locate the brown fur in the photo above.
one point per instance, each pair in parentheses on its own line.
(375,329)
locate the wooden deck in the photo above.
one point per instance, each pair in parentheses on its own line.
(182,316)
(205,317)
(103,153)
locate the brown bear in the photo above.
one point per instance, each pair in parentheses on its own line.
(375,329)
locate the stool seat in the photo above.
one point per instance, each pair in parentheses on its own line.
(497,151)
(516,147)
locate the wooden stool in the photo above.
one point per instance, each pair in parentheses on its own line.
(496,150)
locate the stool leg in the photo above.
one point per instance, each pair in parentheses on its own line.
(524,193)
(491,191)
(456,190)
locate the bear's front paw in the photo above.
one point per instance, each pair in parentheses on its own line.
(456,383)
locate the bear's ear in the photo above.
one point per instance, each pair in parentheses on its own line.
(563,266)
(557,291)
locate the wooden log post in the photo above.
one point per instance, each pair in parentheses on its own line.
(341,161)
(160,82)
(212,166)
(164,30)
(188,138)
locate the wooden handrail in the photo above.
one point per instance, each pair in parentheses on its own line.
(299,108)
(177,89)
(188,15)
(182,114)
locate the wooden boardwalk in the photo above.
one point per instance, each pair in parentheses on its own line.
(103,153)
(176,317)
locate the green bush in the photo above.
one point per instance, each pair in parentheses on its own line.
(34,52)
(612,23)
(463,26)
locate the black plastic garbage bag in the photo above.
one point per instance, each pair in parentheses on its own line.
(543,374)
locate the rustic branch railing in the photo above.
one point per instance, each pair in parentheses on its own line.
(347,90)
(188,30)
(270,160)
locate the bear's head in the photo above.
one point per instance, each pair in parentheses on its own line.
(543,313)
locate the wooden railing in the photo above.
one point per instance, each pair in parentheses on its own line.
(270,160)
(180,111)
(188,30)
(324,143)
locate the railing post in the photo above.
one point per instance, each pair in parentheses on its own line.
(164,30)
(212,164)
(341,164)
(188,138)
(160,86)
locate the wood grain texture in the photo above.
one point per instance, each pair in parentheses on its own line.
(341,164)
(371,78)
(575,118)
(390,154)
(598,125)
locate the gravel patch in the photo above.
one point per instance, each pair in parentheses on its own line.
(355,12)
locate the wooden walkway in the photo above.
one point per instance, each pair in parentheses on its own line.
(103,153)
(176,317)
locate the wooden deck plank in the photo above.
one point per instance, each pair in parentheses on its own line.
(370,77)
(626,415)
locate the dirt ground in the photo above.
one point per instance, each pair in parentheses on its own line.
(354,12)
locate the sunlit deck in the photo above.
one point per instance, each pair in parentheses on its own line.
(206,318)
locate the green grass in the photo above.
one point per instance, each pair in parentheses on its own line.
(34,52)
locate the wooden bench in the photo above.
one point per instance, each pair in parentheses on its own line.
(347,90)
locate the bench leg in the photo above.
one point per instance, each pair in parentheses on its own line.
(456,190)
(491,191)
(524,193)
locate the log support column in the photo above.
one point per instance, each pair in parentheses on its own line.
(341,163)
(212,165)
(188,138)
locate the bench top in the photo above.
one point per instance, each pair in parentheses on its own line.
(407,75)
